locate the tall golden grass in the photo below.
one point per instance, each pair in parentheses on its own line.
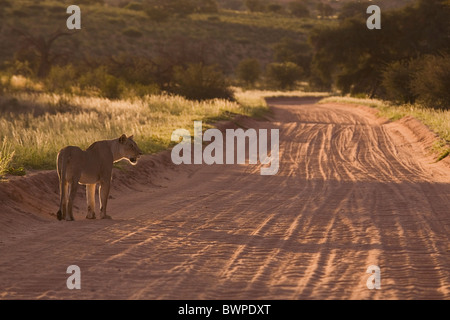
(38,125)
(6,155)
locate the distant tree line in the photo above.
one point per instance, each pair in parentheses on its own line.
(407,60)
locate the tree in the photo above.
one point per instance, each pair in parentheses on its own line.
(352,64)
(160,11)
(42,48)
(201,82)
(274,7)
(296,51)
(231,4)
(397,81)
(354,9)
(298,9)
(205,6)
(249,71)
(431,82)
(157,13)
(352,57)
(284,75)
(324,9)
(255,5)
(327,10)
(3,4)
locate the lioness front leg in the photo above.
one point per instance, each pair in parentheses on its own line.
(103,194)
(90,196)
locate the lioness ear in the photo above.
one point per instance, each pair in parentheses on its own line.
(131,137)
(123,138)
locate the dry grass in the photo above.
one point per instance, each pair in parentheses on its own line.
(38,125)
(6,155)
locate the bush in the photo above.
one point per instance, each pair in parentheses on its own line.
(136,6)
(140,90)
(255,5)
(132,32)
(249,71)
(298,9)
(231,4)
(6,155)
(396,81)
(431,82)
(324,10)
(424,79)
(284,75)
(160,11)
(157,13)
(111,87)
(291,50)
(100,2)
(108,85)
(274,7)
(201,82)
(207,6)
(61,79)
(354,9)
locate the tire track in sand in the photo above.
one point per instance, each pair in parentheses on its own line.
(351,191)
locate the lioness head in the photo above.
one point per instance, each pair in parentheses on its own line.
(129,149)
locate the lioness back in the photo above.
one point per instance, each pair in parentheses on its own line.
(69,159)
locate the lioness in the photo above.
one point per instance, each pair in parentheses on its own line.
(90,167)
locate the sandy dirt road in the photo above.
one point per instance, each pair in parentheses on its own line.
(352,191)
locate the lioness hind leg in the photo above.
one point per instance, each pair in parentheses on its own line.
(103,195)
(72,194)
(90,196)
(64,201)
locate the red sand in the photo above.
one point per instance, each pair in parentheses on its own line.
(352,191)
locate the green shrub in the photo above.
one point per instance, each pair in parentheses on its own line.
(284,75)
(354,9)
(157,14)
(431,82)
(5,4)
(425,80)
(207,6)
(249,71)
(19,13)
(298,9)
(111,87)
(136,6)
(292,50)
(19,171)
(396,81)
(231,4)
(255,5)
(99,2)
(274,7)
(201,82)
(108,85)
(61,79)
(132,32)
(140,90)
(214,18)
